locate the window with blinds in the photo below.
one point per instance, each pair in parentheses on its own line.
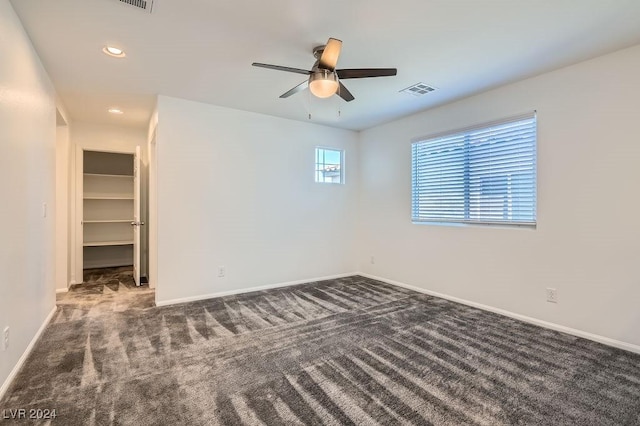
(485,175)
(329,165)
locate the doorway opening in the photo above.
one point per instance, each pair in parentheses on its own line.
(111,217)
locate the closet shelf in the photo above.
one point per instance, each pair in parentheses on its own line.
(109,221)
(91,197)
(109,176)
(107,243)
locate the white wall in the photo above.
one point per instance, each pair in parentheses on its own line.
(587,242)
(63,200)
(27,180)
(99,137)
(63,151)
(237,189)
(151,204)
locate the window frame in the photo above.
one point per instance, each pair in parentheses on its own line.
(342,164)
(467,131)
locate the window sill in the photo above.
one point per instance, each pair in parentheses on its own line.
(529,226)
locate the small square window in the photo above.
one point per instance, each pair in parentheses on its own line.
(329,165)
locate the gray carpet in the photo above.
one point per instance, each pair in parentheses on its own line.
(111,277)
(345,351)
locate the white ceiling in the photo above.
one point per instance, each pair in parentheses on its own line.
(203,49)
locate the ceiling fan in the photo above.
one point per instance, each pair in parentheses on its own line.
(324,78)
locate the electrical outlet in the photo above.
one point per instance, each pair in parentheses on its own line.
(5,338)
(373,260)
(552,295)
(221,271)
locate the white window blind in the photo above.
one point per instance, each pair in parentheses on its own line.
(485,174)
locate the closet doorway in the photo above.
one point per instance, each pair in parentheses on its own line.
(108,198)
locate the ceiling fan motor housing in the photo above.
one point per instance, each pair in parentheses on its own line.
(317,51)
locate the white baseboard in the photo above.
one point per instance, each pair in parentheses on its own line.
(25,354)
(250,289)
(61,290)
(552,326)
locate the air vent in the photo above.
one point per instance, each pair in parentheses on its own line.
(418,89)
(140,4)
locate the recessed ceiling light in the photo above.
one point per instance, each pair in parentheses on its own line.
(115,111)
(114,51)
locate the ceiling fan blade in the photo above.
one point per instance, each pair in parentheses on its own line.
(295,90)
(366,72)
(344,93)
(329,58)
(281,68)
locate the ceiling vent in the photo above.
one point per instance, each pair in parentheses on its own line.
(140,4)
(418,89)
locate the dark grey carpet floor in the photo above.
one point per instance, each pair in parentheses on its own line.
(345,351)
(111,277)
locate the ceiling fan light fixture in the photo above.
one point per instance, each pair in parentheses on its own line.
(323,83)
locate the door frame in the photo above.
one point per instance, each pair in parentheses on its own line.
(77,258)
(152,210)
